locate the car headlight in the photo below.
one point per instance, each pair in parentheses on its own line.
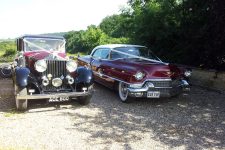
(187,73)
(71,66)
(139,75)
(40,65)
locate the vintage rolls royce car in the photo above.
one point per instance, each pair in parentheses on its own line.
(135,72)
(43,71)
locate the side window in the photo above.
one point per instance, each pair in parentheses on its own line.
(105,54)
(101,53)
(97,53)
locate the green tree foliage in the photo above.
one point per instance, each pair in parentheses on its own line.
(85,41)
(181,31)
(117,26)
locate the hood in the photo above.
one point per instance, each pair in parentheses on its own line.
(151,69)
(51,55)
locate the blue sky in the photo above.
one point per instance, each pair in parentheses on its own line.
(20,17)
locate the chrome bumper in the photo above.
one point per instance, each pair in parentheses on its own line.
(52,95)
(169,91)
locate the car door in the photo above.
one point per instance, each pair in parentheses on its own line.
(99,66)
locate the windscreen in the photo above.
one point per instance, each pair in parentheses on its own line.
(132,52)
(47,44)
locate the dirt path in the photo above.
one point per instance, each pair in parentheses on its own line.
(197,122)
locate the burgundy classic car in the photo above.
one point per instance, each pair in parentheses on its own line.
(43,71)
(135,72)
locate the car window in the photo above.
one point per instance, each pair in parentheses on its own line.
(101,53)
(131,50)
(135,51)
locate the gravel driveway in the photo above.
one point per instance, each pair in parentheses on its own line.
(197,122)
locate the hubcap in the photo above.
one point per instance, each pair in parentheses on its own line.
(123,91)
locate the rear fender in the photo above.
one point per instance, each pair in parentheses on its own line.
(22,74)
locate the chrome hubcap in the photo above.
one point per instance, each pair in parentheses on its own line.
(123,91)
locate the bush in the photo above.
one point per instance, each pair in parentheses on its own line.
(9,52)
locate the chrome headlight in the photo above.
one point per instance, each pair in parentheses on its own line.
(71,66)
(40,65)
(187,73)
(139,75)
(57,82)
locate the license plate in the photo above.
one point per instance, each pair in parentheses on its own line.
(59,99)
(153,94)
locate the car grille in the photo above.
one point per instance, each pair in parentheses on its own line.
(161,83)
(168,88)
(57,69)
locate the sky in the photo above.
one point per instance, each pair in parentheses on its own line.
(18,17)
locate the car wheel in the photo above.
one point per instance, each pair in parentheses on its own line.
(22,103)
(123,92)
(6,71)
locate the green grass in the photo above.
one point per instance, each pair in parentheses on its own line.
(5,59)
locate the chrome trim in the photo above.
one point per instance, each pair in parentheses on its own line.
(45,96)
(100,74)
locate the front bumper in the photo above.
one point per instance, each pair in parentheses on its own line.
(165,91)
(53,95)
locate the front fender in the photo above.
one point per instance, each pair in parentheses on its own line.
(22,74)
(84,75)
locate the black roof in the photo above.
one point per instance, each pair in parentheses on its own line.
(42,36)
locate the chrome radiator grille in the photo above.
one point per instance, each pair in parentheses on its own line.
(161,83)
(166,87)
(57,69)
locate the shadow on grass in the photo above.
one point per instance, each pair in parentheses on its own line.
(197,122)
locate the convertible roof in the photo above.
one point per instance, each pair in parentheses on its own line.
(42,36)
(118,45)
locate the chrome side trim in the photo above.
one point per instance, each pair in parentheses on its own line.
(101,74)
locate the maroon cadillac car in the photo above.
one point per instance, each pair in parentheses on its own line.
(43,71)
(135,72)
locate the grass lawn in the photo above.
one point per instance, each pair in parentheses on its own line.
(4,59)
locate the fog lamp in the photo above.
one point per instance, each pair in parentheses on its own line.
(139,94)
(45,81)
(57,82)
(70,79)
